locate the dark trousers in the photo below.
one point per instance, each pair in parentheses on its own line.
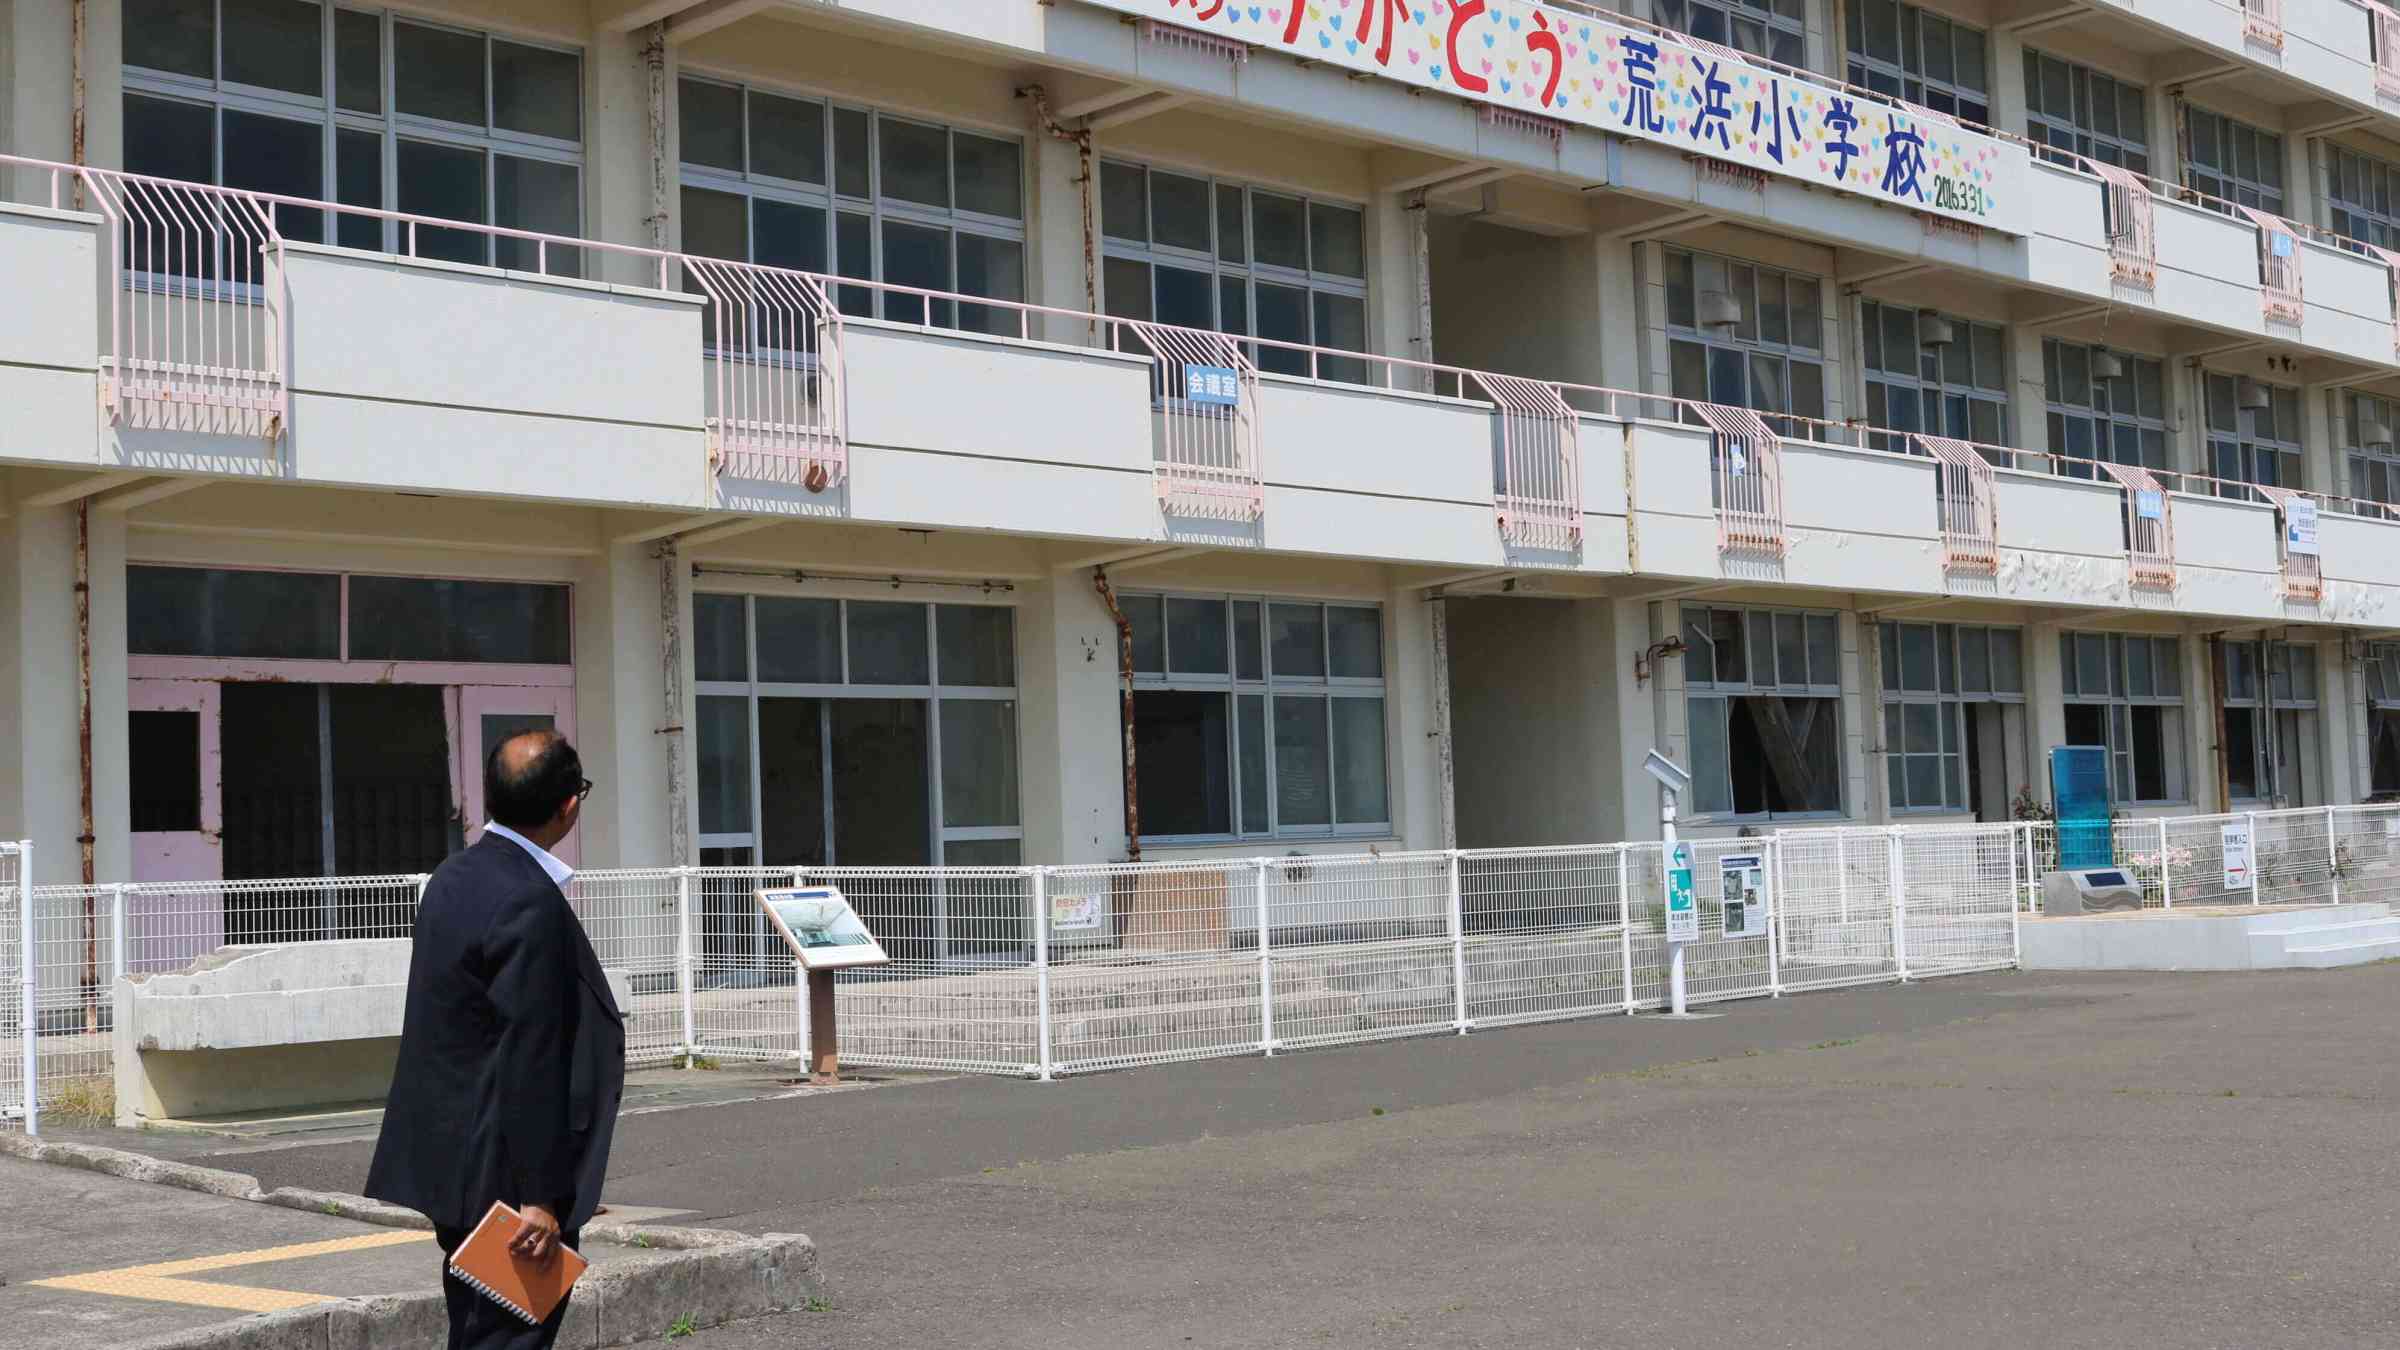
(477,1323)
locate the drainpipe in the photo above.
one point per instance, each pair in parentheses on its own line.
(670,659)
(75,148)
(1081,139)
(2216,698)
(83,666)
(1420,247)
(1438,622)
(654,59)
(1133,805)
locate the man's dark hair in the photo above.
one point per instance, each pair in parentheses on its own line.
(542,782)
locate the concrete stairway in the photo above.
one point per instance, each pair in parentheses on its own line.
(2217,937)
(2317,939)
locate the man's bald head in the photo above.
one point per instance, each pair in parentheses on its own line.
(529,778)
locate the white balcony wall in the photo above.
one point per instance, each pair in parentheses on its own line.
(2226,559)
(412,374)
(1860,520)
(1377,474)
(49,336)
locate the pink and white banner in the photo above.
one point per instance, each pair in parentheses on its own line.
(1694,96)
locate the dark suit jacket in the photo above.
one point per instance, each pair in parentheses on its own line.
(512,1053)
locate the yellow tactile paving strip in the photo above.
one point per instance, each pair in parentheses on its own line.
(161,1282)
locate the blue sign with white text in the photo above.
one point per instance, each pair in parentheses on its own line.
(1217,386)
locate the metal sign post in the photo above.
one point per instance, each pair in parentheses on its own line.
(1683,913)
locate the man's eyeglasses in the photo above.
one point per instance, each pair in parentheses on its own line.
(584,791)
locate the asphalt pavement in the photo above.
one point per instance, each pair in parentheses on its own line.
(2006,1160)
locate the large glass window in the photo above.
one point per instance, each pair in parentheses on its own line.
(2361,202)
(1256,717)
(364,108)
(243,614)
(1763,689)
(1203,253)
(2233,160)
(1775,29)
(2118,418)
(856,732)
(2125,691)
(2269,732)
(2079,111)
(1936,679)
(819,187)
(2366,429)
(1957,386)
(2383,720)
(1744,335)
(2253,433)
(1922,57)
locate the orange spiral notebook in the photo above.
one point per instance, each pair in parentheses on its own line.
(530,1289)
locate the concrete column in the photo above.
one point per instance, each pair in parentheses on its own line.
(617,150)
(1633,626)
(2029,396)
(1074,799)
(620,689)
(1649,313)
(41,775)
(2321,466)
(1536,706)
(2008,91)
(2187,421)
(1876,804)
(1392,279)
(2046,701)
(1617,278)
(1412,748)
(2200,726)
(1054,234)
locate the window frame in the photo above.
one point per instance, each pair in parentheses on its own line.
(2273,660)
(1233,685)
(1710,340)
(2227,183)
(2246,448)
(2118,702)
(2150,429)
(330,669)
(1950,694)
(2353,182)
(878,207)
(1938,392)
(1787,19)
(2061,137)
(1725,691)
(390,126)
(1904,76)
(2369,475)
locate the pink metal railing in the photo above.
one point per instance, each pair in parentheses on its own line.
(1206,451)
(2278,267)
(2303,572)
(1537,463)
(2149,539)
(776,411)
(1746,471)
(2132,224)
(2262,23)
(2385,22)
(2391,269)
(1970,520)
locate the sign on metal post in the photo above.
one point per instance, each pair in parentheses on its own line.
(1744,878)
(2079,785)
(2236,837)
(1683,916)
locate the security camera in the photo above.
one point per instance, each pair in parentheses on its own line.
(1669,774)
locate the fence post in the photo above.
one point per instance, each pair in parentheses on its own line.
(1266,966)
(1625,921)
(683,963)
(1899,875)
(29,1028)
(2166,873)
(1774,913)
(2333,857)
(1041,967)
(1458,943)
(2016,915)
(2251,819)
(2030,900)
(116,929)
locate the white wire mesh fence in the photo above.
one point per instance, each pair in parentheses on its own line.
(2310,855)
(1074,969)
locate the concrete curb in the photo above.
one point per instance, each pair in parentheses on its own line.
(707,1274)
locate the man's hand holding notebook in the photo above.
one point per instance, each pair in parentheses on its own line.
(498,1261)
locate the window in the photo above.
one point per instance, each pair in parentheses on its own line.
(1934,676)
(2079,111)
(1775,29)
(1763,690)
(1258,718)
(2253,433)
(2268,735)
(1743,335)
(856,733)
(1201,253)
(2383,720)
(817,187)
(2360,200)
(2119,419)
(2125,691)
(2232,160)
(230,613)
(1957,387)
(360,107)
(1921,57)
(2367,423)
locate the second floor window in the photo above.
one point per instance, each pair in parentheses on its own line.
(294,97)
(2125,691)
(818,187)
(2119,419)
(2366,428)
(1774,29)
(2076,110)
(1201,253)
(1921,57)
(2362,197)
(1744,335)
(1957,387)
(2233,160)
(2253,432)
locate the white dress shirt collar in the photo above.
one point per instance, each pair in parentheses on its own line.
(559,872)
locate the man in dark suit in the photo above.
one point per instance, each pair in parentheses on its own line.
(512,1053)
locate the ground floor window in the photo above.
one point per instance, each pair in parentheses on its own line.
(2269,730)
(2125,691)
(2383,720)
(1764,693)
(1953,702)
(1258,718)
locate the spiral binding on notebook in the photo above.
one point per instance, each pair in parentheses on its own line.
(494,1295)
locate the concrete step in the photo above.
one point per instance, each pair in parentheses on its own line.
(2276,947)
(2317,917)
(2329,955)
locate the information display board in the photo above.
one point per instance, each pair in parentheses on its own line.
(1683,916)
(821,928)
